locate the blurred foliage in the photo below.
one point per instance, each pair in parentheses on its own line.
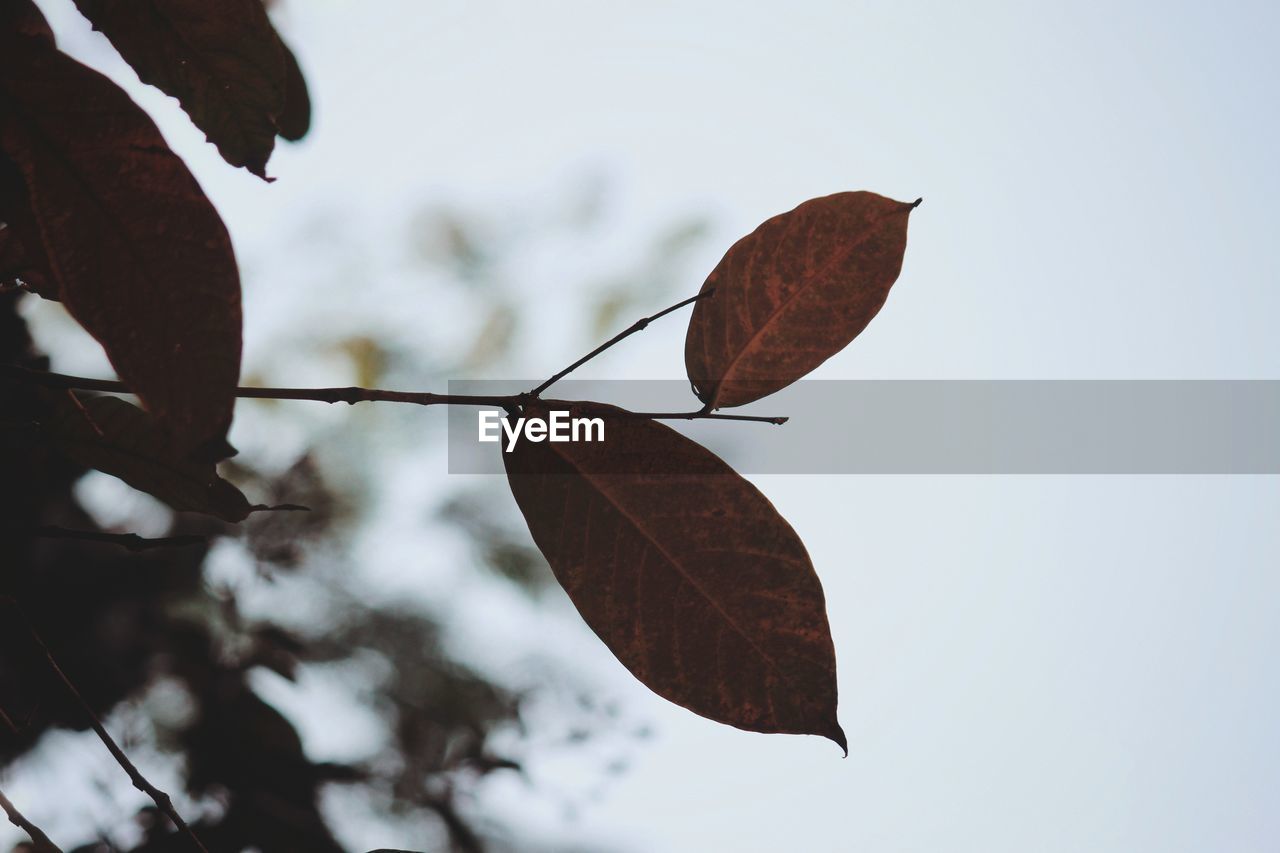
(175,646)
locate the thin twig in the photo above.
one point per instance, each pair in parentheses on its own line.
(704,415)
(38,838)
(160,798)
(8,723)
(131,541)
(354,394)
(351,395)
(93,425)
(637,326)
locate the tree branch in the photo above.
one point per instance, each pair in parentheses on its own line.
(704,415)
(131,541)
(160,798)
(38,838)
(354,394)
(637,326)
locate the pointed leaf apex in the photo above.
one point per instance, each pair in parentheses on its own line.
(837,736)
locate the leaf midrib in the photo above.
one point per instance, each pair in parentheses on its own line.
(653,540)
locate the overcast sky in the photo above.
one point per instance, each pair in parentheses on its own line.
(1026,663)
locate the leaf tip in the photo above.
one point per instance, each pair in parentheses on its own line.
(258,167)
(836,735)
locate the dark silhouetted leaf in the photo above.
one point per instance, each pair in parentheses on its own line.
(24,18)
(21,253)
(22,256)
(684,569)
(120,439)
(793,293)
(223,62)
(295,121)
(139,255)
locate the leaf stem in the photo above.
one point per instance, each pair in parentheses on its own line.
(638,325)
(704,415)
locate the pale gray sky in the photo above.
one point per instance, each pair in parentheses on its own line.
(1026,663)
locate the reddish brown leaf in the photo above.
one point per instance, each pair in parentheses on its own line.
(139,255)
(223,61)
(21,254)
(684,569)
(295,121)
(22,16)
(793,293)
(22,257)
